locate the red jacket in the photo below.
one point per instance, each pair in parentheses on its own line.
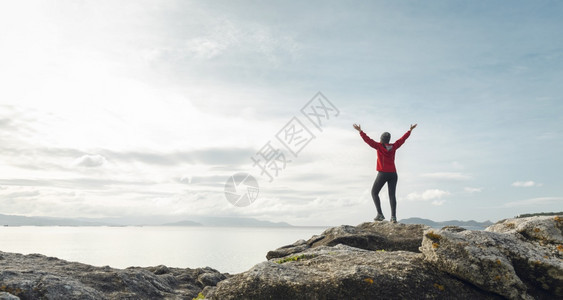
(385,152)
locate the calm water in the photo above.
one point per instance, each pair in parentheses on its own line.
(231,250)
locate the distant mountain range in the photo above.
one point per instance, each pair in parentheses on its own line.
(11,220)
(474,225)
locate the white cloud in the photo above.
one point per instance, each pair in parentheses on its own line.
(205,47)
(472,190)
(224,37)
(23,194)
(447,175)
(186,179)
(438,202)
(535,201)
(526,184)
(428,195)
(90,161)
(231,37)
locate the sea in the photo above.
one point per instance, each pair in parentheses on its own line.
(226,249)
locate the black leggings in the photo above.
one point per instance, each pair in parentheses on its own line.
(391,179)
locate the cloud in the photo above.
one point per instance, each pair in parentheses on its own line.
(75,183)
(211,156)
(21,194)
(203,180)
(535,201)
(206,47)
(526,184)
(428,195)
(5,124)
(232,37)
(185,179)
(208,155)
(90,161)
(15,125)
(438,202)
(447,175)
(472,190)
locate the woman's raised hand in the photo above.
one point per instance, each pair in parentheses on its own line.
(357,127)
(413,126)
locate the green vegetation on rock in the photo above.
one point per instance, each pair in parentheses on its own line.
(199,296)
(294,258)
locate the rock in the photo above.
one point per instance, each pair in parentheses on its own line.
(209,292)
(370,236)
(543,229)
(160,270)
(8,296)
(344,272)
(453,228)
(300,245)
(210,278)
(518,258)
(36,276)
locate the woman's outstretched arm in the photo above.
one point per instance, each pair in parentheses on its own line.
(365,137)
(400,141)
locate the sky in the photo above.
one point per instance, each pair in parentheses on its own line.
(148,108)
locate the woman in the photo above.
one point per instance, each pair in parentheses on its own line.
(386,169)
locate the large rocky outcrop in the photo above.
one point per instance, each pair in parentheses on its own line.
(37,276)
(513,259)
(516,258)
(344,272)
(369,236)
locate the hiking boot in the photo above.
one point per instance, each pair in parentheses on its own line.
(379,217)
(393,219)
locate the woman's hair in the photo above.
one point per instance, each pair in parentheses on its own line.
(385,138)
